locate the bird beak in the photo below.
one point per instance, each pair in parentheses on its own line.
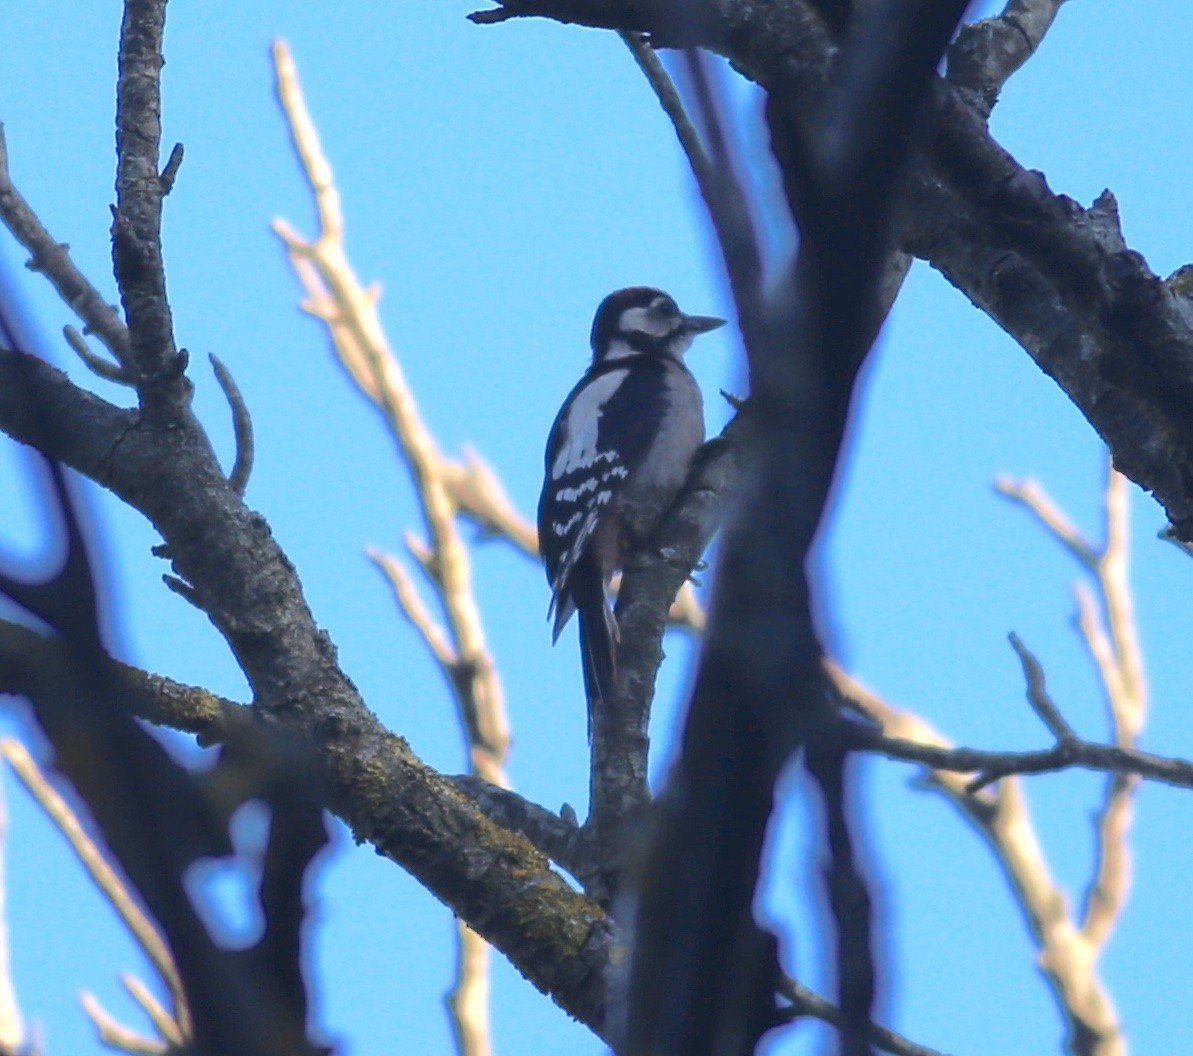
(701,324)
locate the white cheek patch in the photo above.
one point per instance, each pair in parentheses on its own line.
(579,447)
(644,321)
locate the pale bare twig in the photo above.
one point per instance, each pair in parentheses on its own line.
(1124,692)
(1001,814)
(1112,640)
(113,888)
(480,496)
(1130,710)
(1120,661)
(1068,952)
(467,1002)
(335,295)
(158,1014)
(1031,496)
(115,1034)
(407,596)
(12,1028)
(1097,640)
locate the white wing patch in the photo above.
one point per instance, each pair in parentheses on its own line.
(579,447)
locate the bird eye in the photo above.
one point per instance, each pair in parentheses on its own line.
(665,307)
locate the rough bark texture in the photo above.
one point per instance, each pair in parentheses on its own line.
(241,578)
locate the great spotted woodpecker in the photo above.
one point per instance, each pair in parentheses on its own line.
(617,458)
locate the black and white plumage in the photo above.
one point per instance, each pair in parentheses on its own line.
(616,459)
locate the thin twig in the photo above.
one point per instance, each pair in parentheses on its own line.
(242,426)
(170,172)
(1107,894)
(1002,816)
(1037,693)
(137,218)
(806,1002)
(117,1036)
(480,496)
(1130,709)
(665,91)
(991,766)
(1031,496)
(52,259)
(1113,645)
(725,202)
(411,603)
(1098,644)
(1119,659)
(165,1023)
(96,364)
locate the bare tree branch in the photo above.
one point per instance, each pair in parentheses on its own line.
(1030,495)
(349,310)
(1037,694)
(1119,662)
(805,1002)
(171,1030)
(242,426)
(96,364)
(247,586)
(986,53)
(1002,816)
(137,218)
(115,1034)
(1048,272)
(665,91)
(388,796)
(52,259)
(990,766)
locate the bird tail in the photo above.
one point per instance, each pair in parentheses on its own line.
(598,640)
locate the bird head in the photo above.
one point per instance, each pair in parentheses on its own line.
(641,319)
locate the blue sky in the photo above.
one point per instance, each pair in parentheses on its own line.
(498,182)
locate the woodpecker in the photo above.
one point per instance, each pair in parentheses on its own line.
(617,457)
